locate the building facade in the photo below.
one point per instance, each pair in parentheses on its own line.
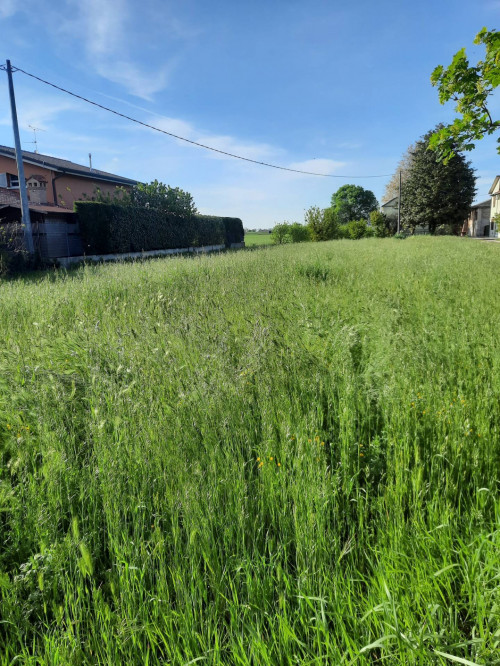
(478,222)
(57,182)
(495,207)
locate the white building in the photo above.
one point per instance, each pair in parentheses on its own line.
(478,222)
(495,207)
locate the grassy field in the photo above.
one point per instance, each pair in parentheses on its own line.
(280,457)
(254,238)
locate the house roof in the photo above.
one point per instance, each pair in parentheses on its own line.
(11,199)
(8,196)
(40,208)
(483,204)
(391,201)
(38,177)
(495,182)
(65,166)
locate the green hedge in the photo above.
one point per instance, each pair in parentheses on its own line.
(234,231)
(108,228)
(233,228)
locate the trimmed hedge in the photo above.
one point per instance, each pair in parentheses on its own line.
(234,231)
(113,228)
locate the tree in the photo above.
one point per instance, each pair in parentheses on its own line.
(392,187)
(436,193)
(322,223)
(280,233)
(353,202)
(163,197)
(382,225)
(469,86)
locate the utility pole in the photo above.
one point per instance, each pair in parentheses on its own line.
(25,211)
(399,204)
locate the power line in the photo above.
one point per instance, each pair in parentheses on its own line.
(194,143)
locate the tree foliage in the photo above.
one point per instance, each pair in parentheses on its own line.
(392,187)
(381,225)
(322,223)
(436,193)
(163,197)
(353,202)
(469,86)
(290,232)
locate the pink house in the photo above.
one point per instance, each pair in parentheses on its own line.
(57,182)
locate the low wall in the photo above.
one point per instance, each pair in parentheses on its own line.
(66,261)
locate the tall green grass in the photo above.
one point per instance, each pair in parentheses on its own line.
(280,457)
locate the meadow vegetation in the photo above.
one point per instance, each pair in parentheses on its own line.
(288,456)
(257,238)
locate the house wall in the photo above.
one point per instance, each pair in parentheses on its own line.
(72,188)
(477,220)
(391,211)
(495,207)
(68,188)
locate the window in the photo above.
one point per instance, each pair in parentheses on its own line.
(13,180)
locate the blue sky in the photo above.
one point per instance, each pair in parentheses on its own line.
(334,87)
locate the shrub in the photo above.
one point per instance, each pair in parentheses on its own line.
(382,225)
(163,197)
(358,229)
(343,231)
(290,232)
(322,223)
(109,228)
(280,233)
(299,233)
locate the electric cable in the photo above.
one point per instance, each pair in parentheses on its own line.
(194,143)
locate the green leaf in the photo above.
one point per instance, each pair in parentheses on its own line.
(457,660)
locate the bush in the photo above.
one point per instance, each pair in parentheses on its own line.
(109,228)
(357,229)
(382,226)
(322,223)
(280,233)
(290,232)
(299,233)
(343,231)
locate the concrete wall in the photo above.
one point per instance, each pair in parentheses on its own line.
(67,261)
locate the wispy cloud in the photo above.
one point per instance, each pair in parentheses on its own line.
(350,145)
(319,165)
(109,32)
(227,143)
(40,112)
(8,8)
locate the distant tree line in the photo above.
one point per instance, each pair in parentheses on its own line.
(436,195)
(353,214)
